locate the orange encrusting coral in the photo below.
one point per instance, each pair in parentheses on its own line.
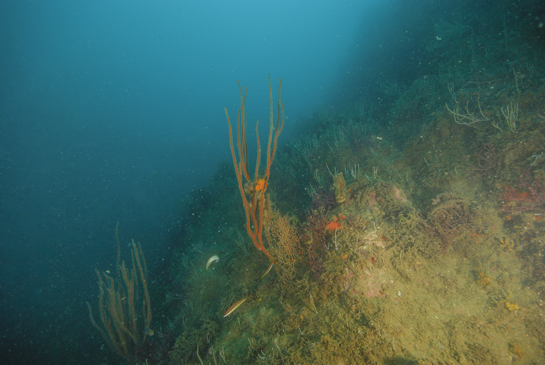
(260,185)
(333,225)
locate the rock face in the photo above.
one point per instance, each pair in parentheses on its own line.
(366,282)
(399,194)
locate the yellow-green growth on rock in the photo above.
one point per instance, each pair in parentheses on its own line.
(340,188)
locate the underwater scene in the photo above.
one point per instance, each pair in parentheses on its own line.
(400,222)
(414,234)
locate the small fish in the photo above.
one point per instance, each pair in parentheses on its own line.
(268,269)
(234,306)
(211,260)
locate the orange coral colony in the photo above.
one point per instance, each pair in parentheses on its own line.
(333,225)
(260,185)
